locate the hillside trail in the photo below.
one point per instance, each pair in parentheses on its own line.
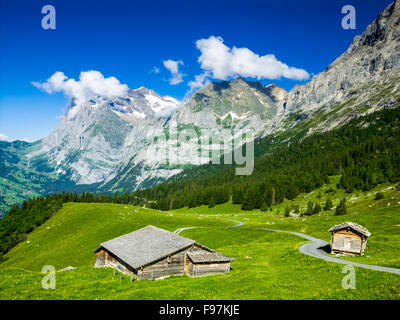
(313,248)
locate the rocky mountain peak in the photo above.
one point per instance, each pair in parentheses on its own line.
(239,96)
(277,93)
(373,57)
(384,28)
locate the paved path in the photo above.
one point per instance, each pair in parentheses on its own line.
(313,249)
(238,224)
(178,231)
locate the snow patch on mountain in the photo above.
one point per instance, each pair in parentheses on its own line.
(162,105)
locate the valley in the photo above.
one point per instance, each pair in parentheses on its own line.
(118,144)
(324,153)
(268,265)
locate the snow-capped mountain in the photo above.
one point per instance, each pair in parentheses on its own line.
(207,122)
(132,142)
(94,137)
(116,142)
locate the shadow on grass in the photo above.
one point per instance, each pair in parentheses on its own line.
(326,248)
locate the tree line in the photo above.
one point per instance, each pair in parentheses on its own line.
(24,218)
(365,152)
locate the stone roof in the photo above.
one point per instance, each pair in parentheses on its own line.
(146,245)
(354,226)
(208,257)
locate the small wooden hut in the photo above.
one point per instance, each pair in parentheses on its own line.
(349,238)
(154,253)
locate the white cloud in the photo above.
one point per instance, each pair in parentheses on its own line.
(199,81)
(3,137)
(90,84)
(223,62)
(155,70)
(173,67)
(29,140)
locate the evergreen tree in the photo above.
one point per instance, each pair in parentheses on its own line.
(310,208)
(264,207)
(341,209)
(317,208)
(211,203)
(328,205)
(287,212)
(379,196)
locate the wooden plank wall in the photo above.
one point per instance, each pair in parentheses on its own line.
(170,266)
(106,259)
(175,265)
(200,270)
(339,239)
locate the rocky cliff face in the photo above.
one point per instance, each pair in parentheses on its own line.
(206,123)
(239,98)
(94,137)
(363,79)
(126,142)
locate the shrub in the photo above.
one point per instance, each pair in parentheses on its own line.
(341,209)
(317,208)
(310,208)
(264,207)
(328,205)
(287,212)
(330,190)
(379,196)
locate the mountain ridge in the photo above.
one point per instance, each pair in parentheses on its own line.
(107,142)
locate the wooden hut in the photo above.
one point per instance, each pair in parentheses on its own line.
(154,253)
(349,238)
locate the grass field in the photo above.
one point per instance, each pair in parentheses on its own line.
(268,265)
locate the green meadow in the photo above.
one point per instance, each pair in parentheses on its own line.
(267,264)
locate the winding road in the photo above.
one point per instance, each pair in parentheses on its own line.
(313,248)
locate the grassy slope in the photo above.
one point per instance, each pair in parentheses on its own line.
(268,265)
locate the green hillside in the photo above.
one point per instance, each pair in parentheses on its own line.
(268,265)
(364,151)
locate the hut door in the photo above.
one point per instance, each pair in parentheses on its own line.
(347,243)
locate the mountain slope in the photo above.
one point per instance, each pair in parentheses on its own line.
(364,152)
(215,113)
(364,79)
(137,141)
(70,237)
(117,144)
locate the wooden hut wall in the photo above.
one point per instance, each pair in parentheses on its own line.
(205,269)
(170,266)
(177,264)
(107,259)
(347,241)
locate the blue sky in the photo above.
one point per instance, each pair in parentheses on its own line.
(127,39)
